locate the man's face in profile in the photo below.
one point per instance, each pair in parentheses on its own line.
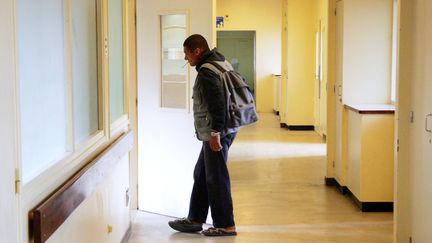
(193,57)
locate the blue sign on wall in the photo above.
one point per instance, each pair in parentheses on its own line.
(219,21)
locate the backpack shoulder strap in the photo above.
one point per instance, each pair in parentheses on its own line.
(211,67)
(218,67)
(225,65)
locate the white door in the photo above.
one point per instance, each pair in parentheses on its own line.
(323,80)
(414,170)
(8,145)
(318,66)
(421,128)
(167,146)
(338,89)
(320,81)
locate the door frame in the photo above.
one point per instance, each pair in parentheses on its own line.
(10,226)
(133,98)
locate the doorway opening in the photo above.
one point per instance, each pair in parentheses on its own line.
(238,47)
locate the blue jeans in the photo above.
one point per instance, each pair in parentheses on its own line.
(212,186)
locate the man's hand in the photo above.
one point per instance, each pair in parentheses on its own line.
(215,143)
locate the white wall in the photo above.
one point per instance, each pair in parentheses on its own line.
(8,123)
(367,51)
(265,17)
(414,167)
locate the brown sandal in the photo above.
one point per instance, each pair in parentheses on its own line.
(218,232)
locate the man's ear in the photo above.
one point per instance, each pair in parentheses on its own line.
(198,51)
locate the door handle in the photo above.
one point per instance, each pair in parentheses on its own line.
(428,117)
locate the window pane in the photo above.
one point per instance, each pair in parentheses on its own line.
(42,84)
(85,68)
(115,40)
(174,72)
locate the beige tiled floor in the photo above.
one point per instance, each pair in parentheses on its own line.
(279,195)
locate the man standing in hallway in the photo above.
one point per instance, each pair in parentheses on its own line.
(212,187)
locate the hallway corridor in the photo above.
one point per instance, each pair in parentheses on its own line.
(279,195)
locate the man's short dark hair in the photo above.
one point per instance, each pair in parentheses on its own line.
(196,41)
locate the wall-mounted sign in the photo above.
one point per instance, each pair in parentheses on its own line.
(219,21)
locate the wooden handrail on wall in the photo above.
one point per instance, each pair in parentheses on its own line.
(54,211)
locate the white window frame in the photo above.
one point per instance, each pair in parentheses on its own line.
(77,156)
(187,108)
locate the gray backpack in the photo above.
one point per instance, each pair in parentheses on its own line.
(241,109)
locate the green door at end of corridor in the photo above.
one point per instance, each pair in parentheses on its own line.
(238,47)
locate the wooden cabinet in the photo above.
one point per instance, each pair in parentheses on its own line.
(370,156)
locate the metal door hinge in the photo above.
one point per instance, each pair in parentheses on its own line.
(135,18)
(397,145)
(17,182)
(412,116)
(428,117)
(106,46)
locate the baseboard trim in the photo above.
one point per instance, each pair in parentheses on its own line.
(127,234)
(283,125)
(301,128)
(276,112)
(330,181)
(371,206)
(364,206)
